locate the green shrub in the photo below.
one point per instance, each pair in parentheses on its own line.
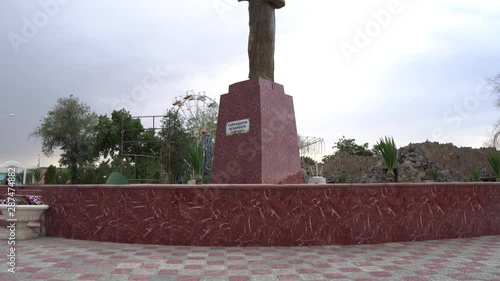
(350,147)
(435,174)
(389,151)
(185,179)
(206,179)
(342,178)
(51,175)
(476,176)
(66,175)
(494,160)
(22,201)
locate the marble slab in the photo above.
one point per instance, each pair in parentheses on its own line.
(272,215)
(268,152)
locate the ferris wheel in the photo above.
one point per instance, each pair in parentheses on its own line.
(200,114)
(199,111)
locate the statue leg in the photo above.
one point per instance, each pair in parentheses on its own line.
(261,41)
(261,57)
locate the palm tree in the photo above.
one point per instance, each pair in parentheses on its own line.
(37,175)
(387,148)
(494,160)
(195,159)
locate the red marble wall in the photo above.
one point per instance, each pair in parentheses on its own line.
(273,215)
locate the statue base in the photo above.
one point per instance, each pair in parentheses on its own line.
(256,140)
(316,180)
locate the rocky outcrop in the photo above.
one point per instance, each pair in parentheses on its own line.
(417,163)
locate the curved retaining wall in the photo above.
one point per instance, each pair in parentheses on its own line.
(272,215)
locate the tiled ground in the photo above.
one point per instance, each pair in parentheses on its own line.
(48,258)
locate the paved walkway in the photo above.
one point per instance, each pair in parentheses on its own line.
(48,258)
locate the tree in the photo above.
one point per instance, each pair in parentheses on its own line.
(350,147)
(70,127)
(109,133)
(50,175)
(103,171)
(141,147)
(495,89)
(64,176)
(176,145)
(145,156)
(308,160)
(90,176)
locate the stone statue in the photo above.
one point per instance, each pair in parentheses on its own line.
(262,37)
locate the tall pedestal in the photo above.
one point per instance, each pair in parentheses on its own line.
(256,140)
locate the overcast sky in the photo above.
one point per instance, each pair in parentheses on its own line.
(413,70)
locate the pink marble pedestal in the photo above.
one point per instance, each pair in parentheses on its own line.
(269,151)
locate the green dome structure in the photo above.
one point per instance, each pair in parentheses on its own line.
(117,178)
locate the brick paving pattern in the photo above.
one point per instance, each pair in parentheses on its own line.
(48,258)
